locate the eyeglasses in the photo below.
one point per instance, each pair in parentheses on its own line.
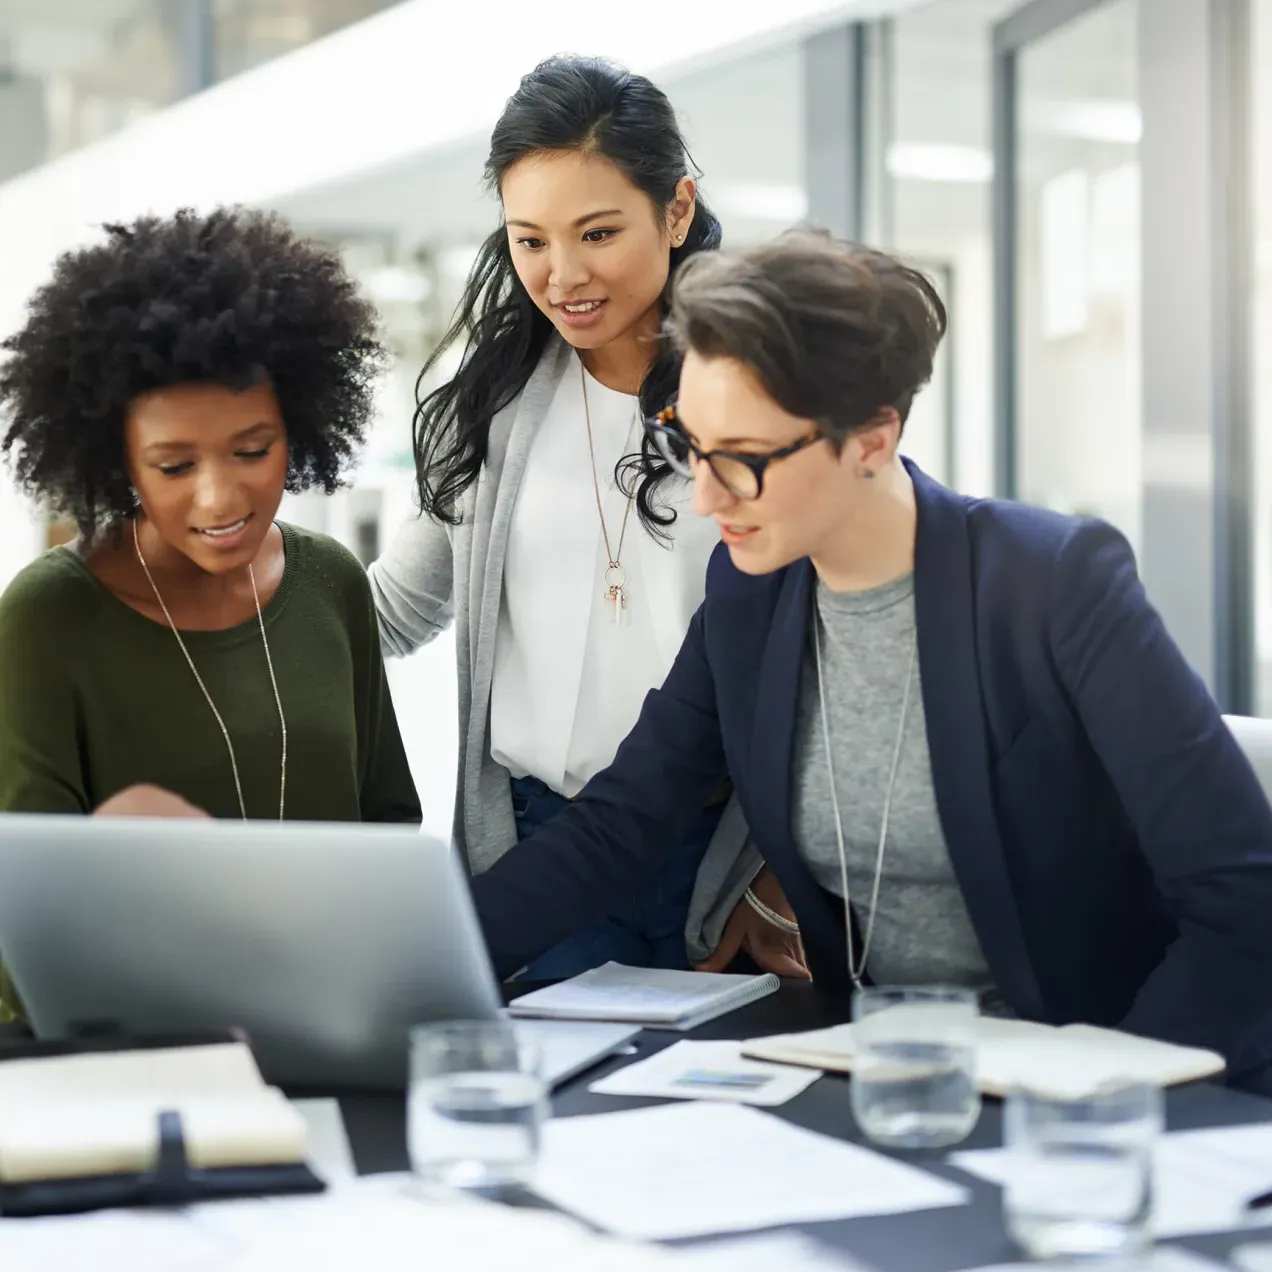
(740,473)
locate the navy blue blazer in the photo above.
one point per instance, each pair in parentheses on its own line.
(1111,841)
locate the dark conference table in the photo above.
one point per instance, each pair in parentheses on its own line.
(968,1236)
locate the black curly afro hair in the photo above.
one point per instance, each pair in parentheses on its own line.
(233,297)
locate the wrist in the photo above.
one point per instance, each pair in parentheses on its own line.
(767,913)
(766,888)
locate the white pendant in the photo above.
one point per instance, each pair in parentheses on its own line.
(615,579)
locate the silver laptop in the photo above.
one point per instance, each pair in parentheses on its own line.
(326,942)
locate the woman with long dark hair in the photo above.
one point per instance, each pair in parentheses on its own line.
(560,551)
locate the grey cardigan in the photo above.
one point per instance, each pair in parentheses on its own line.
(433,574)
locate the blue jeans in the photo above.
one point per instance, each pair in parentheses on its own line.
(647,932)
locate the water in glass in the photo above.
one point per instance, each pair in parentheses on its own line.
(475,1107)
(914,1066)
(1080,1181)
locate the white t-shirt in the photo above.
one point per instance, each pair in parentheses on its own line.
(568,681)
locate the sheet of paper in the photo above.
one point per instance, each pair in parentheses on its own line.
(1203,1178)
(1162,1259)
(768,1252)
(708,1071)
(385,1224)
(1254,1256)
(691,1170)
(330,1154)
(109,1241)
(245,1222)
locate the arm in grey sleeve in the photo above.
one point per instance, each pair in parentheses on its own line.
(413,586)
(729,867)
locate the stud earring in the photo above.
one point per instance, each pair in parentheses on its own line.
(867,474)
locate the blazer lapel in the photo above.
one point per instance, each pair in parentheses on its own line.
(944,587)
(777,701)
(772,750)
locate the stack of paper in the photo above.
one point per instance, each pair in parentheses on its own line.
(1071,1060)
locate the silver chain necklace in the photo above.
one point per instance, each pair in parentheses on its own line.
(857,970)
(269,662)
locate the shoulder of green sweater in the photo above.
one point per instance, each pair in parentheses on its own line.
(49,599)
(328,562)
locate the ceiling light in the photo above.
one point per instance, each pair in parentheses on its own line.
(952,165)
(1092,119)
(391,284)
(765,201)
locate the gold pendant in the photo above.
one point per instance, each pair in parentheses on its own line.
(615,579)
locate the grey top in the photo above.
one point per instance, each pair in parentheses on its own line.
(434,574)
(922,932)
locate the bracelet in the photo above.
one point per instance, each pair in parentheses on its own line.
(777,920)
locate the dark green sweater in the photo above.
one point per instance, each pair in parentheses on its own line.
(95,697)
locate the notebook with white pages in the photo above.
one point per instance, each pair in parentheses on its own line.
(1067,1061)
(658,998)
(75,1116)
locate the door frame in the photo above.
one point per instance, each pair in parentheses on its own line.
(1028,24)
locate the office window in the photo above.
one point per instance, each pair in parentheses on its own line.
(744,125)
(1261,52)
(70,79)
(1078,417)
(929,199)
(246,33)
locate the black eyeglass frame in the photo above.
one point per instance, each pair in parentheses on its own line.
(668,423)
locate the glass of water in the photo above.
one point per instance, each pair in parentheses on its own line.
(914,1065)
(475,1107)
(1080,1170)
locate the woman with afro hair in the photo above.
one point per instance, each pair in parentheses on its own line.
(188,653)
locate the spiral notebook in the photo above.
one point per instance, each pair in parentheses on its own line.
(658,998)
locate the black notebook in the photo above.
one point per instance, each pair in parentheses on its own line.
(125,1122)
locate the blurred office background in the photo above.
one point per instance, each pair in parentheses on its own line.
(1089,182)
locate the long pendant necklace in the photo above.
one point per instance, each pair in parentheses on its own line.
(615,577)
(269,662)
(857,968)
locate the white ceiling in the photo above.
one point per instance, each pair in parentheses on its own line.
(742,121)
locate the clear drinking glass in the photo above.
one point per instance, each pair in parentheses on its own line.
(475,1107)
(914,1065)
(1080,1170)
